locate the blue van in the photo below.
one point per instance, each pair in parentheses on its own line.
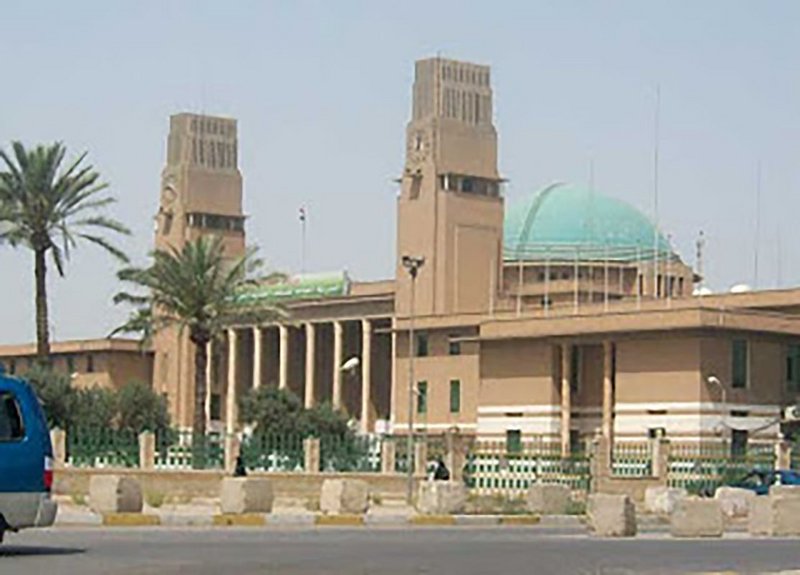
(26,459)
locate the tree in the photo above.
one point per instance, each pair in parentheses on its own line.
(194,288)
(55,393)
(47,206)
(139,408)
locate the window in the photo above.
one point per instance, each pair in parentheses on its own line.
(70,364)
(12,366)
(574,368)
(467,185)
(455,396)
(90,363)
(422,397)
(738,442)
(215,409)
(10,418)
(422,345)
(793,367)
(455,346)
(513,441)
(739,360)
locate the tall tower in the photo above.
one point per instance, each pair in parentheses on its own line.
(201,195)
(450,210)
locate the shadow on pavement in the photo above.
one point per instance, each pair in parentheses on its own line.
(37,551)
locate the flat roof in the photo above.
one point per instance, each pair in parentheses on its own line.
(76,346)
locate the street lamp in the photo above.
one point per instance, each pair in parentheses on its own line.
(412,264)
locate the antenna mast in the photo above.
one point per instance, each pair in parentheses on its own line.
(758,225)
(656,137)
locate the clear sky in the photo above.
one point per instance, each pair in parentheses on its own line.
(322,94)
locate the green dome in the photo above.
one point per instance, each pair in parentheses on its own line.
(564,221)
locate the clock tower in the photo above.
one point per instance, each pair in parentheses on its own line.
(450,210)
(201,195)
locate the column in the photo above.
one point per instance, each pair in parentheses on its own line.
(310,356)
(283,345)
(257,356)
(366,373)
(566,398)
(209,380)
(338,333)
(230,400)
(608,393)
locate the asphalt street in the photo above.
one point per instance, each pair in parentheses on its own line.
(395,551)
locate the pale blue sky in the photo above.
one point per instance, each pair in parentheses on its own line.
(322,93)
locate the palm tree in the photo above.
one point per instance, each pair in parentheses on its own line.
(48,206)
(195,288)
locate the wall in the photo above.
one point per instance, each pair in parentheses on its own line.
(206,484)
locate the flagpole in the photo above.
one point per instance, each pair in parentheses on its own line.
(303,240)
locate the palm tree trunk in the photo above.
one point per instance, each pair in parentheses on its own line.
(42,332)
(199,454)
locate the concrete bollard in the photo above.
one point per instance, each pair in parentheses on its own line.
(115,494)
(441,497)
(696,517)
(734,501)
(611,515)
(420,460)
(547,499)
(344,497)
(759,520)
(662,500)
(58,438)
(246,495)
(147,450)
(784,516)
(311,455)
(388,456)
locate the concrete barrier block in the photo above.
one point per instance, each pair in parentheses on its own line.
(760,518)
(441,497)
(611,515)
(246,495)
(696,517)
(115,494)
(344,496)
(548,499)
(785,515)
(662,500)
(734,501)
(787,490)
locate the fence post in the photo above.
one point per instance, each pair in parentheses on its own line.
(58,437)
(388,455)
(454,454)
(147,450)
(660,455)
(311,453)
(420,459)
(601,463)
(783,454)
(232,446)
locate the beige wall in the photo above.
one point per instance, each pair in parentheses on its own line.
(438,369)
(518,372)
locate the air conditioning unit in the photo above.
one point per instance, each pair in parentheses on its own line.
(792,413)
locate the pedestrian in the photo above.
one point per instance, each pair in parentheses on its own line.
(441,473)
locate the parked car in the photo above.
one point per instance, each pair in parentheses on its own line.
(760,481)
(26,459)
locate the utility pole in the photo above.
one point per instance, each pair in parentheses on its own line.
(412,264)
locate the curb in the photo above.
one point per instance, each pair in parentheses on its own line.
(239,520)
(519,520)
(432,520)
(339,520)
(130,520)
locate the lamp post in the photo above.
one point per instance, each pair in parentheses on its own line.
(412,264)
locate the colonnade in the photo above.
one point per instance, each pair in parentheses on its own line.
(567,364)
(310,388)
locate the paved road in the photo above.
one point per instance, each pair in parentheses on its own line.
(460,551)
